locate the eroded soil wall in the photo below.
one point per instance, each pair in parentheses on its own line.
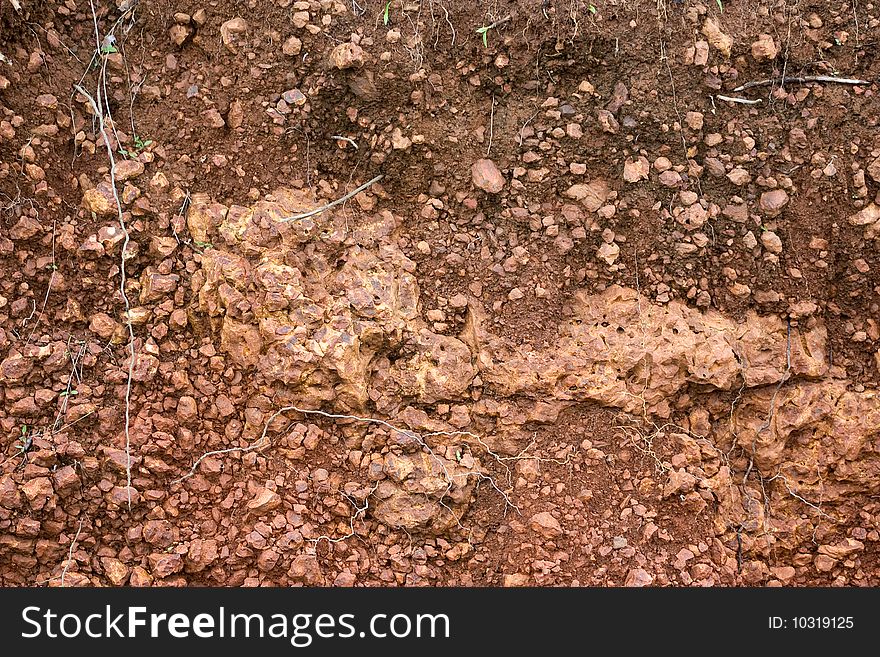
(606,318)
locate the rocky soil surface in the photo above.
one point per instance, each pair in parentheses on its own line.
(604,311)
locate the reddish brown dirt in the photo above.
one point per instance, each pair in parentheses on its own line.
(523,101)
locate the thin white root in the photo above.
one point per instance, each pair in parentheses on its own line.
(741,101)
(348,140)
(99,115)
(343,199)
(830,79)
(70,553)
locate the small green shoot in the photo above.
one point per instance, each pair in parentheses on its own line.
(385,17)
(25,442)
(720,5)
(68,393)
(203,245)
(592,9)
(484,31)
(108,45)
(139,145)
